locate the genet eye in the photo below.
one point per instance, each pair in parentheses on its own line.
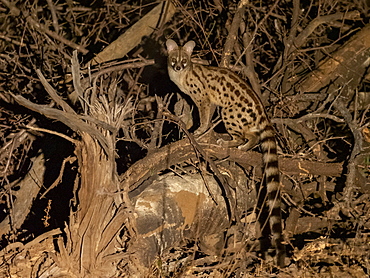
(184,61)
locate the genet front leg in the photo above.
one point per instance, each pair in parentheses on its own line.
(206,110)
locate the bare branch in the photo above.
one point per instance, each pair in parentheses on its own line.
(231,38)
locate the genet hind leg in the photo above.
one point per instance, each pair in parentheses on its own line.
(245,143)
(244,133)
(253,139)
(235,142)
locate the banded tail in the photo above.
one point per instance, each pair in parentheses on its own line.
(271,182)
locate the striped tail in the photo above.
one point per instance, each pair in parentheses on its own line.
(271,189)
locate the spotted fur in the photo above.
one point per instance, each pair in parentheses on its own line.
(243,115)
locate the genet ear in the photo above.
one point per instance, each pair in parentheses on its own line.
(171,45)
(189,46)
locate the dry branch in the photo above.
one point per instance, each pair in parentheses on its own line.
(249,70)
(133,36)
(93,229)
(71,120)
(345,67)
(182,151)
(303,36)
(53,94)
(29,187)
(352,181)
(232,36)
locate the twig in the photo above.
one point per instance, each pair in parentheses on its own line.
(283,62)
(249,61)
(15,42)
(121,67)
(53,15)
(75,68)
(307,117)
(357,147)
(248,68)
(156,138)
(53,94)
(60,177)
(92,78)
(41,28)
(13,9)
(293,28)
(9,195)
(52,132)
(231,38)
(229,200)
(270,12)
(302,37)
(18,137)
